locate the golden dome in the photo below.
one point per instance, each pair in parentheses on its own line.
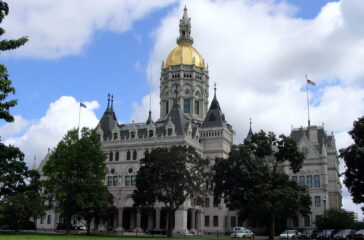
(184,54)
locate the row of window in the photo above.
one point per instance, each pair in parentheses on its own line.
(215,222)
(306,221)
(308,181)
(212,134)
(130,180)
(49,218)
(187,106)
(185,75)
(129,155)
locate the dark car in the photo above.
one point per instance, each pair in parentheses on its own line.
(306,234)
(157,232)
(325,234)
(343,234)
(358,235)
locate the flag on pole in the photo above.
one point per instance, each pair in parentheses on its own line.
(311,82)
(82,105)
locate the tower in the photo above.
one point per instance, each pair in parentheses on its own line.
(184,74)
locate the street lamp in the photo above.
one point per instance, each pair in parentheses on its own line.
(324,200)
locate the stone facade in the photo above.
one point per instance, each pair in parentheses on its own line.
(187,119)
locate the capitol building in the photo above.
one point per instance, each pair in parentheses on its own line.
(187,118)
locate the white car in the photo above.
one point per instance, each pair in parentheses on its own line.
(288,234)
(242,233)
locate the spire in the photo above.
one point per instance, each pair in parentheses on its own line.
(149,120)
(185,29)
(108,102)
(112,102)
(215,104)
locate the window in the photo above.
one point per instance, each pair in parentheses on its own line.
(134,155)
(127,180)
(109,181)
(207,202)
(307,221)
(169,131)
(116,156)
(133,180)
(49,219)
(132,135)
(207,221)
(317,201)
(317,180)
(294,178)
(295,222)
(216,221)
(302,181)
(128,155)
(309,181)
(233,221)
(151,133)
(115,136)
(41,220)
(186,105)
(115,180)
(110,156)
(197,107)
(216,202)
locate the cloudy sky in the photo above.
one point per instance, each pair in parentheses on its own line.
(258,52)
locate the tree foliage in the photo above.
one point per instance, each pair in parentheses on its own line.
(354,161)
(253,182)
(75,174)
(336,219)
(171,176)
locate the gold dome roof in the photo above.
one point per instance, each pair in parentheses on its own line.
(184,54)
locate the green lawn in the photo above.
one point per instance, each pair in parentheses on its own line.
(5,236)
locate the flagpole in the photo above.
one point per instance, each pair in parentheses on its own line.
(308,104)
(79,119)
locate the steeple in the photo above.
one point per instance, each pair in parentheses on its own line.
(108,120)
(215,104)
(185,29)
(250,133)
(149,120)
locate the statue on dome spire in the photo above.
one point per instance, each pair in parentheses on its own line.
(185,29)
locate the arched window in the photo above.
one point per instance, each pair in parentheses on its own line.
(117,156)
(110,156)
(134,155)
(128,155)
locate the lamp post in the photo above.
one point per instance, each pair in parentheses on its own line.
(324,200)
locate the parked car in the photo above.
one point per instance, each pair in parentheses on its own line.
(242,233)
(325,234)
(297,235)
(306,234)
(288,234)
(343,234)
(358,235)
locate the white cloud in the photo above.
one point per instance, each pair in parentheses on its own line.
(62,28)
(258,53)
(61,116)
(12,128)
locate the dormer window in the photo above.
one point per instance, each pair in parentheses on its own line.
(132,135)
(115,136)
(169,131)
(151,133)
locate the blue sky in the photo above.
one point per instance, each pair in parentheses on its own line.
(258,54)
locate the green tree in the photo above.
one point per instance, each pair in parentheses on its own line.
(27,202)
(336,219)
(75,174)
(354,161)
(253,182)
(171,176)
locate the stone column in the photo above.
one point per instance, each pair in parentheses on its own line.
(193,220)
(180,222)
(138,221)
(150,220)
(120,221)
(158,218)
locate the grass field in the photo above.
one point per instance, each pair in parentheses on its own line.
(7,236)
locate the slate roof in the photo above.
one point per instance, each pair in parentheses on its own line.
(298,134)
(214,116)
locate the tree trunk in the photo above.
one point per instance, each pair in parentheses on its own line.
(170,223)
(271,226)
(68,225)
(88,225)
